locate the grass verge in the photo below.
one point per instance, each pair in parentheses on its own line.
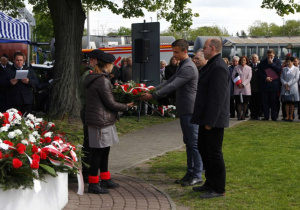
(262,164)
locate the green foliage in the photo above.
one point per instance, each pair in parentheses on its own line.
(282,7)
(175,11)
(290,28)
(49,169)
(11,7)
(261,158)
(44,27)
(207,31)
(192,34)
(120,32)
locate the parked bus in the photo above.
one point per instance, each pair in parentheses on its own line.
(120,46)
(249,45)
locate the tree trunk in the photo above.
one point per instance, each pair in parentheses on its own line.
(68,21)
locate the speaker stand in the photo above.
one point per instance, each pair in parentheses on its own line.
(146,103)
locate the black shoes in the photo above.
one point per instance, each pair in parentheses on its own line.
(183,179)
(109,184)
(212,194)
(208,192)
(96,189)
(192,181)
(202,188)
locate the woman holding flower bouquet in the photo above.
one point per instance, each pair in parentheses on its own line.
(101,115)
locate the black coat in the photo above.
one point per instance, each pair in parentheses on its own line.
(276,66)
(213,94)
(255,79)
(20,93)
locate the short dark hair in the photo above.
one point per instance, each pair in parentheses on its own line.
(247,60)
(270,51)
(19,54)
(183,44)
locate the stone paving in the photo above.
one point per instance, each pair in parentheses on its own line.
(132,194)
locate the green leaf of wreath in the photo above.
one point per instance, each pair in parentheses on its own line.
(49,169)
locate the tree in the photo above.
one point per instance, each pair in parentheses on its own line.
(259,29)
(207,31)
(290,28)
(282,7)
(243,33)
(171,32)
(44,27)
(68,18)
(120,32)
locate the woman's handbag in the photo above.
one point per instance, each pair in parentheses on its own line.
(287,97)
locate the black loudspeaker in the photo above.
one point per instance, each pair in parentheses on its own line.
(142,50)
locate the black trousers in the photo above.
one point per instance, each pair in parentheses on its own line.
(232,107)
(99,160)
(270,101)
(255,104)
(2,101)
(86,149)
(210,148)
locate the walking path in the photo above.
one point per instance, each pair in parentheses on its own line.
(133,193)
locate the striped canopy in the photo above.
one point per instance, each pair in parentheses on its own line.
(13,30)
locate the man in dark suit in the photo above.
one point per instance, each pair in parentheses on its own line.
(184,82)
(211,113)
(255,104)
(269,71)
(19,92)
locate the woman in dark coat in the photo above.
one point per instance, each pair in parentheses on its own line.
(170,69)
(101,115)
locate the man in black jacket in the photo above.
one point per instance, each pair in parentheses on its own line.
(255,101)
(19,92)
(211,113)
(269,70)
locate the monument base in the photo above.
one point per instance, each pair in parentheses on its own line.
(53,195)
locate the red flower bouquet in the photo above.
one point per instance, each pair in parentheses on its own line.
(30,149)
(131,91)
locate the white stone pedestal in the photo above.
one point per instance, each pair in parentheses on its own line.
(52,196)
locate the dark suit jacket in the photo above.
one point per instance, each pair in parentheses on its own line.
(184,82)
(255,80)
(276,66)
(213,94)
(19,93)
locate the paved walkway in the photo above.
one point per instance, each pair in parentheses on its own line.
(133,193)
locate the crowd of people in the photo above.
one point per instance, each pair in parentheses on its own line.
(260,86)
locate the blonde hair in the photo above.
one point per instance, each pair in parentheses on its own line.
(97,69)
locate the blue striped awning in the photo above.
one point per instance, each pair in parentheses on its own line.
(13,30)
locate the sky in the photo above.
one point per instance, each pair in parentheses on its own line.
(234,15)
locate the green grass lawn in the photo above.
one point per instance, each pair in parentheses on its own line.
(262,163)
